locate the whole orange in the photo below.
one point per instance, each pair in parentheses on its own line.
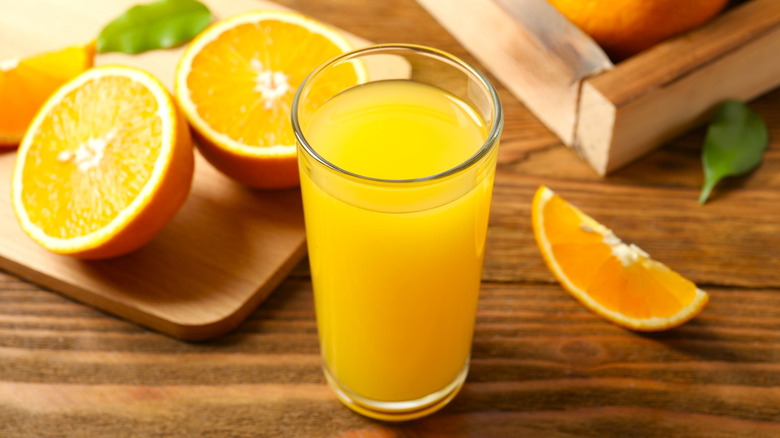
(626,27)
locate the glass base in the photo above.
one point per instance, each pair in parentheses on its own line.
(397,411)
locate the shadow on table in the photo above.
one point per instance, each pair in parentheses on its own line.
(697,340)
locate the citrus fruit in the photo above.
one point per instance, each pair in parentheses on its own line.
(105,164)
(616,280)
(26,83)
(626,27)
(236,82)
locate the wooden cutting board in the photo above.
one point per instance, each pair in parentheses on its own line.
(223,253)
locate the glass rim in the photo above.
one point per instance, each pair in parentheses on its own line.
(490,141)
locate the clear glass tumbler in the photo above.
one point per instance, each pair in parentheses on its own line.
(396,177)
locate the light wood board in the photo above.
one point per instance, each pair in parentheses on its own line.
(223,253)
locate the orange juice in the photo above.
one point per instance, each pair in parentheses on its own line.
(396,266)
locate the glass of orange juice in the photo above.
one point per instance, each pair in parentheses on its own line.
(396,177)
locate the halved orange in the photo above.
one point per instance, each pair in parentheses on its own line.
(236,82)
(26,83)
(616,280)
(105,164)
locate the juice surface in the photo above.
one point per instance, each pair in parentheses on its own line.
(396,292)
(396,130)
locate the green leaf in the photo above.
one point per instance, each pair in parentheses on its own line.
(735,143)
(158,25)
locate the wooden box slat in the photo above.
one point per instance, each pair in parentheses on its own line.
(614,114)
(541,61)
(661,93)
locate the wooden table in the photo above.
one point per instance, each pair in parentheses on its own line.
(543,366)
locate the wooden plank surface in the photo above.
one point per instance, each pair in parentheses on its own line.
(543,366)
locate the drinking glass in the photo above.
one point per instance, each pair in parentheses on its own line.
(396,177)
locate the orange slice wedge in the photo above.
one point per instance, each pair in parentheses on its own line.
(25,84)
(236,82)
(616,280)
(105,164)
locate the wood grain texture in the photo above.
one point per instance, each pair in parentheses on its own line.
(543,366)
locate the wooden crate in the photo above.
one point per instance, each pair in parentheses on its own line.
(614,113)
